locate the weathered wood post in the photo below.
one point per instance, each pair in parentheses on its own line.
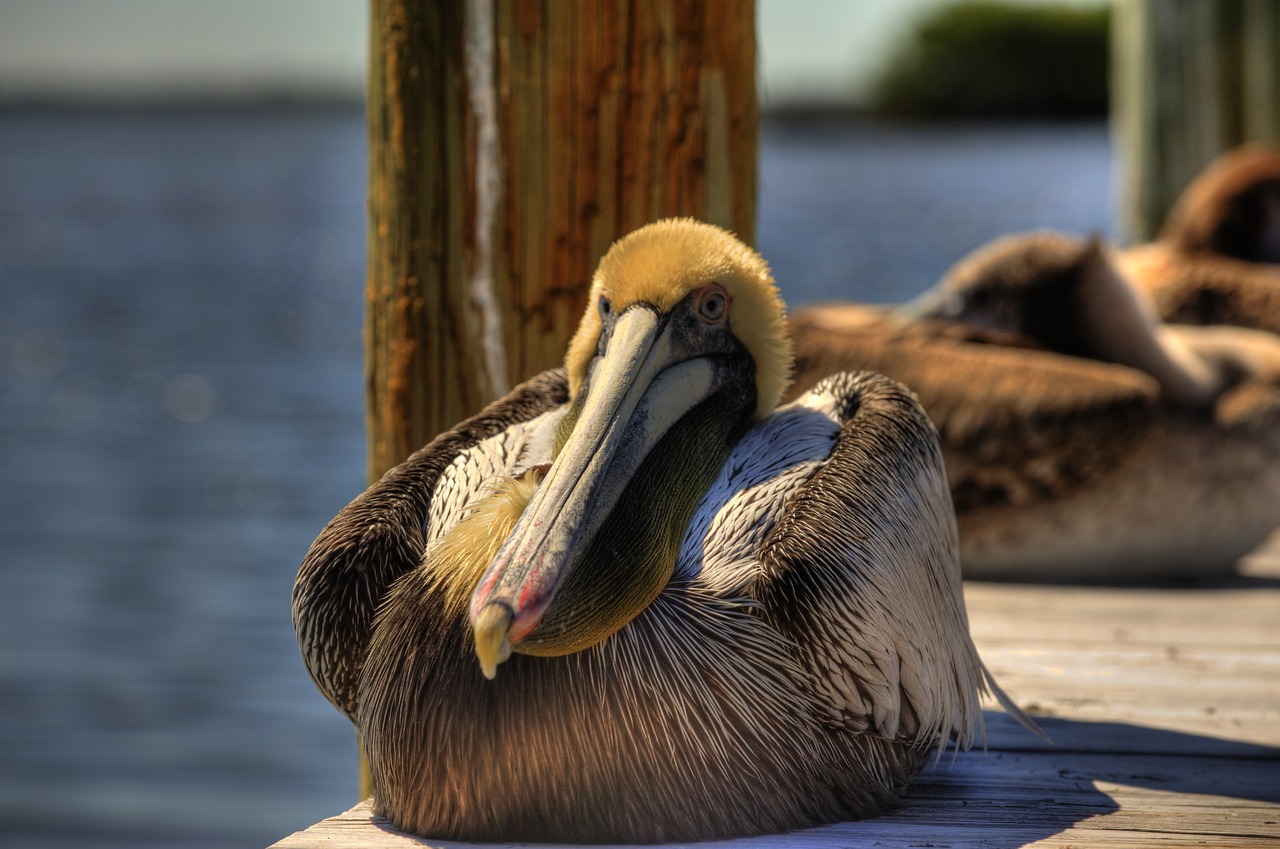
(1190,79)
(509,144)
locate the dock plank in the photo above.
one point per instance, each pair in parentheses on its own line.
(1163,705)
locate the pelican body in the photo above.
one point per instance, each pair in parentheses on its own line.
(1084,439)
(633,602)
(1217,259)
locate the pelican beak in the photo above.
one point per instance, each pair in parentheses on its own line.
(493,645)
(648,379)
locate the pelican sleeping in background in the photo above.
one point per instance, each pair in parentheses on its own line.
(1217,260)
(1084,440)
(631,601)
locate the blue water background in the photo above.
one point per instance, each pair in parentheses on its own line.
(181,412)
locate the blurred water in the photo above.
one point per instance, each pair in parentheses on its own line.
(181,412)
(877,213)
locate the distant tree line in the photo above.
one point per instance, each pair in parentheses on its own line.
(984,59)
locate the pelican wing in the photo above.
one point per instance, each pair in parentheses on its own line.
(1016,424)
(382,534)
(862,573)
(1191,288)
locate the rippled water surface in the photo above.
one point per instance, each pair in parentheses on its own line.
(181,412)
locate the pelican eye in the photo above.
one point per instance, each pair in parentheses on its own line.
(713,304)
(606,308)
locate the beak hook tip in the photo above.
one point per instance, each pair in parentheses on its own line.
(492,637)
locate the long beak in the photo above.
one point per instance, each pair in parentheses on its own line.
(640,387)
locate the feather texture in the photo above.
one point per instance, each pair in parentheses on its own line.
(379,537)
(810,651)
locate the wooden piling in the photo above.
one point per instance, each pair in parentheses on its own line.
(509,145)
(1190,79)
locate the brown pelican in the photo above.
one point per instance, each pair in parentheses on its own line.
(1084,439)
(630,601)
(1217,260)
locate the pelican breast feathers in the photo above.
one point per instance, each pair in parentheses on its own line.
(809,652)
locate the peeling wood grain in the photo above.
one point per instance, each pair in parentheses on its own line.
(608,115)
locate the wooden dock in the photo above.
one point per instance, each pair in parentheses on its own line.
(1164,709)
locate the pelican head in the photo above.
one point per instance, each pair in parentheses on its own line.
(1069,295)
(1032,285)
(1232,208)
(682,345)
